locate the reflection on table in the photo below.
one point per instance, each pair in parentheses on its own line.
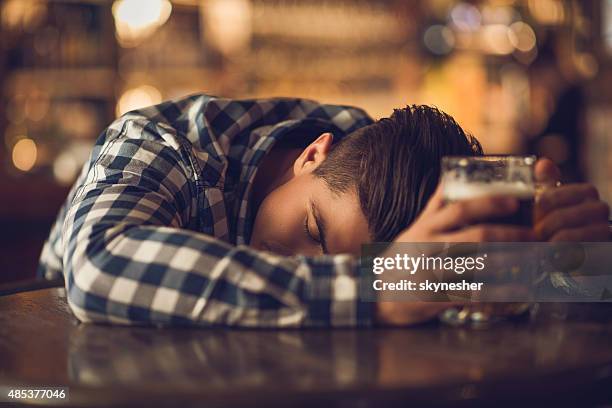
(543,359)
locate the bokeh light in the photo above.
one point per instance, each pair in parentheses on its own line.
(466,17)
(496,39)
(586,64)
(139,97)
(65,168)
(22,14)
(547,12)
(135,20)
(439,39)
(67,164)
(522,37)
(494,14)
(24,155)
(228,24)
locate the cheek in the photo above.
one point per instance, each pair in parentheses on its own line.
(279,220)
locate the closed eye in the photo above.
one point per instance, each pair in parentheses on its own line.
(320,235)
(307,231)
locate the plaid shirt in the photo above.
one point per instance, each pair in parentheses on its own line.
(155,229)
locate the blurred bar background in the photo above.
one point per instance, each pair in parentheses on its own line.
(524,76)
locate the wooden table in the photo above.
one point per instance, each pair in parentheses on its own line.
(546,361)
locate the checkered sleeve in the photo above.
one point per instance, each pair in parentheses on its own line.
(130,256)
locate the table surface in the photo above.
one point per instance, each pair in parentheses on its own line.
(543,359)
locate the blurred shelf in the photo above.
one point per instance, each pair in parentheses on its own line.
(190,3)
(98,2)
(172,73)
(104,83)
(64,82)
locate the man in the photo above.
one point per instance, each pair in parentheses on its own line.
(251,213)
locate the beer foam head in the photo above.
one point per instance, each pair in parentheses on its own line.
(456,191)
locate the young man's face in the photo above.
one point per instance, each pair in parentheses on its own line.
(303,216)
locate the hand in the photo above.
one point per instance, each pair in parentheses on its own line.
(465,221)
(462,221)
(571,212)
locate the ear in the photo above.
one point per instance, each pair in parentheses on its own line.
(313,155)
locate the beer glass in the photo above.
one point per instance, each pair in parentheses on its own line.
(470,177)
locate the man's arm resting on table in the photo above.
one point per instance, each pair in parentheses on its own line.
(127,259)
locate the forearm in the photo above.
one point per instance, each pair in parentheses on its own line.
(161,275)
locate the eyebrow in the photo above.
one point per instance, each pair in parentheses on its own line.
(320,226)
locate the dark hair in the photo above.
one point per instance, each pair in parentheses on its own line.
(394,164)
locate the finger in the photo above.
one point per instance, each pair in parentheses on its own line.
(547,172)
(491,233)
(580,215)
(565,196)
(436,201)
(461,213)
(593,233)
